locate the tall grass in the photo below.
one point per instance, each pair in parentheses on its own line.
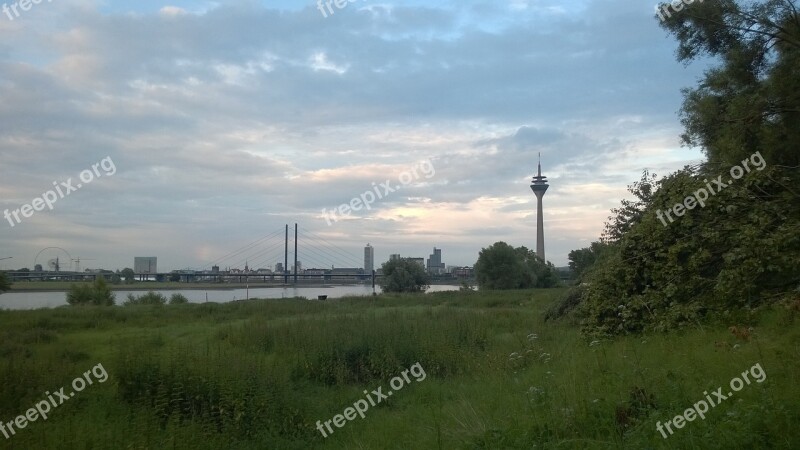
(259,374)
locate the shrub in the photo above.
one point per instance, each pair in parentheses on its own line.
(5,285)
(403,275)
(98,293)
(178,299)
(151,298)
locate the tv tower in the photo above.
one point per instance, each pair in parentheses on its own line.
(539,187)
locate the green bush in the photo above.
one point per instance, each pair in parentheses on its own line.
(501,266)
(178,299)
(151,298)
(403,275)
(5,285)
(98,293)
(740,251)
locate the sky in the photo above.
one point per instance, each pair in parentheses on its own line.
(201,127)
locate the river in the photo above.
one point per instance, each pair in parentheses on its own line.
(34,300)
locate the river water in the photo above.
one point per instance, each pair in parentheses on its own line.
(34,300)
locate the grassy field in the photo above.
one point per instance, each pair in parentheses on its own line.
(260,374)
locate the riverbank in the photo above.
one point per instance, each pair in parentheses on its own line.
(62,286)
(16,300)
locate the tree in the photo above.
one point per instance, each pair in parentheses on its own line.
(403,275)
(580,261)
(128,275)
(541,274)
(749,103)
(5,285)
(97,293)
(501,266)
(630,211)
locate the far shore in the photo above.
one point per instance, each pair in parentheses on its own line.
(61,286)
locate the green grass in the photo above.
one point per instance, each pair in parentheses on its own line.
(259,374)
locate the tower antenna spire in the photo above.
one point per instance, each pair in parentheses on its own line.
(539,187)
(540,164)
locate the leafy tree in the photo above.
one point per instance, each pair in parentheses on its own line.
(540,274)
(5,284)
(501,266)
(740,248)
(178,299)
(630,211)
(403,275)
(580,261)
(128,275)
(751,101)
(97,293)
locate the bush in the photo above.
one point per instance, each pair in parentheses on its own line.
(565,306)
(403,275)
(5,285)
(151,298)
(98,293)
(502,266)
(178,299)
(739,252)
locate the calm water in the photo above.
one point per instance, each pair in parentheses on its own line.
(33,300)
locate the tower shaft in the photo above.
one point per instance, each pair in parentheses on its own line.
(539,227)
(539,187)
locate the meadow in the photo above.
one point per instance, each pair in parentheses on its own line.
(259,375)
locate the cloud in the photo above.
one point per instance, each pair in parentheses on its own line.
(229,119)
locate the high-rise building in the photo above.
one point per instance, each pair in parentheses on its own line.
(539,187)
(369,259)
(145,264)
(394,256)
(420,261)
(279,268)
(435,264)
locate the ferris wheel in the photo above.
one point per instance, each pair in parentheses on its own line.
(52,259)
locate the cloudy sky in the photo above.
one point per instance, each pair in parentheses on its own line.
(227,120)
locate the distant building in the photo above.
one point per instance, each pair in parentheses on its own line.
(369,259)
(279,268)
(463,272)
(346,273)
(420,261)
(394,256)
(297,269)
(311,274)
(145,264)
(435,264)
(37,268)
(215,269)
